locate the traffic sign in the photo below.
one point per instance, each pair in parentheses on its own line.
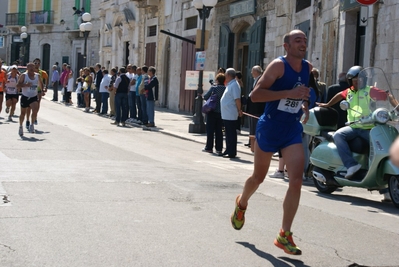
(367,2)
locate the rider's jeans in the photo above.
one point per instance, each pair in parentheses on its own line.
(341,139)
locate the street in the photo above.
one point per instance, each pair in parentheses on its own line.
(86,193)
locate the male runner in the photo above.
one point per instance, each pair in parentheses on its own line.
(284,86)
(28,83)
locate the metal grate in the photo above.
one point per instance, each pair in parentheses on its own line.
(152,31)
(191,23)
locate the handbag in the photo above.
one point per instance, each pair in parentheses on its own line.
(210,104)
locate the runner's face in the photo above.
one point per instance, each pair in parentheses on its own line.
(297,45)
(37,64)
(30,67)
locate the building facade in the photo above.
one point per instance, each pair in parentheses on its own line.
(241,34)
(53,33)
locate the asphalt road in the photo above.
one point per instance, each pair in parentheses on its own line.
(85,193)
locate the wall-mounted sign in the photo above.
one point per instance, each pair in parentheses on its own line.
(242,8)
(192,77)
(1,41)
(200,60)
(367,2)
(16,39)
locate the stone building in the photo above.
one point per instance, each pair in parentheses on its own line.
(53,33)
(242,33)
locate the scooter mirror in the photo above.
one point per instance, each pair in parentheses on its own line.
(344,105)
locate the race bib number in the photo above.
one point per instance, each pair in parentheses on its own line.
(290,105)
(33,88)
(11,89)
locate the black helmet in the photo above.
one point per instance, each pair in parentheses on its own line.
(353,72)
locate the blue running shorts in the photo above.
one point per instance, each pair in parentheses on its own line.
(272,136)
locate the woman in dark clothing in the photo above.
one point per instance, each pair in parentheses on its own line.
(214,118)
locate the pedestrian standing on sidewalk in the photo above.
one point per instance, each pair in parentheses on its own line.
(86,88)
(121,90)
(55,79)
(144,81)
(97,81)
(131,74)
(63,81)
(255,109)
(230,106)
(111,90)
(214,122)
(151,94)
(70,86)
(138,99)
(104,85)
(243,100)
(284,86)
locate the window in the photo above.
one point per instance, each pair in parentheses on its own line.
(191,23)
(152,31)
(244,36)
(302,4)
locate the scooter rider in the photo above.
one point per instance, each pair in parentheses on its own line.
(359,106)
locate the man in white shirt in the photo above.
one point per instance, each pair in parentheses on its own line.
(104,85)
(230,107)
(131,74)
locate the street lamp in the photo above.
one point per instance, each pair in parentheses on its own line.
(85,27)
(204,9)
(23,36)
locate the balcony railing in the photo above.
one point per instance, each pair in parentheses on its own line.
(15,19)
(41,17)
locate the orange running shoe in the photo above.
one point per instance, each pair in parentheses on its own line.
(238,218)
(285,242)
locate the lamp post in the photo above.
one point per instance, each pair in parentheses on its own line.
(85,27)
(23,36)
(204,9)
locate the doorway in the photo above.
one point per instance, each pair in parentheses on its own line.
(46,58)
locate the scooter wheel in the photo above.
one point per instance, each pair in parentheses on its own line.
(393,186)
(323,187)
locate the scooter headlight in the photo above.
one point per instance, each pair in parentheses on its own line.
(381,116)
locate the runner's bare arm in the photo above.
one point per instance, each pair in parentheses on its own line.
(21,81)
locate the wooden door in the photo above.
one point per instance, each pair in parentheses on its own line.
(226,45)
(187,97)
(255,50)
(328,73)
(150,50)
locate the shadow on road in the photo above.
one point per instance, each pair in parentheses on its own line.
(387,207)
(31,139)
(273,260)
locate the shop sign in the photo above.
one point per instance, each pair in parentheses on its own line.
(242,8)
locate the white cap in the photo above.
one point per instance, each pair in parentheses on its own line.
(14,67)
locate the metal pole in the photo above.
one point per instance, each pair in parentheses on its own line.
(198,125)
(86,34)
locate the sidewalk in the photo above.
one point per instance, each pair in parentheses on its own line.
(172,123)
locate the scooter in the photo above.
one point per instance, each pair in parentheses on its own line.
(377,171)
